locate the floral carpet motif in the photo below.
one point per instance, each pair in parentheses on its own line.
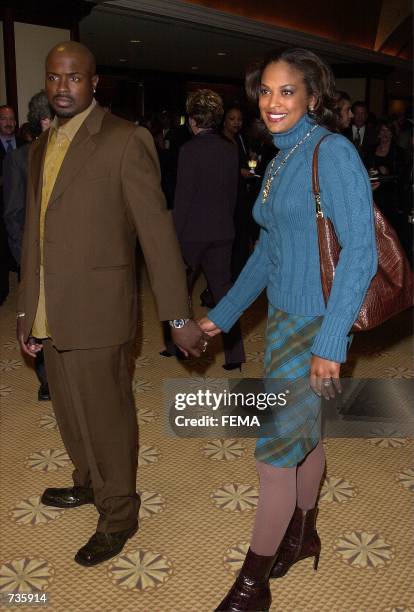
(199,495)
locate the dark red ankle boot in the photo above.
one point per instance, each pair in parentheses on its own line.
(251,591)
(300,541)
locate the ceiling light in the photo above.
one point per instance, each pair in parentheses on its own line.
(221,53)
(135,40)
(123,59)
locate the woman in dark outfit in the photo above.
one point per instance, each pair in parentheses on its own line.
(205,199)
(388,159)
(243,220)
(306,341)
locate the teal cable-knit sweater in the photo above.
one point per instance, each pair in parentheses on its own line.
(286,258)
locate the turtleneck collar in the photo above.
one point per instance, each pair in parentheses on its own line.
(287,140)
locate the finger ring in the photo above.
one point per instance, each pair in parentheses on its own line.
(326,383)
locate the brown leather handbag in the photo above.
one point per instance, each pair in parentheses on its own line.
(391,289)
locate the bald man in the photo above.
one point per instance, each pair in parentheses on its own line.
(94,186)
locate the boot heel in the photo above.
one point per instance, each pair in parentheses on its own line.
(316,562)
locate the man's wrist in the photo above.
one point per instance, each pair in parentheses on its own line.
(178,323)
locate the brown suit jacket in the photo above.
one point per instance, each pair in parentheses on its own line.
(106,194)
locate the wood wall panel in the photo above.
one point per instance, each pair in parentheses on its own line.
(354,21)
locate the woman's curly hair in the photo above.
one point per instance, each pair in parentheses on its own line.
(317,76)
(205,107)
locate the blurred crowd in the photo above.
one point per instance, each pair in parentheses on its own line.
(385,145)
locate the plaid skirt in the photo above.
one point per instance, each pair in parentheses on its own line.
(295,428)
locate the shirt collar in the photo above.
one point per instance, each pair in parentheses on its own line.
(361,129)
(70,128)
(5,139)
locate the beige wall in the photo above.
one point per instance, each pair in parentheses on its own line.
(354,87)
(3,98)
(32,45)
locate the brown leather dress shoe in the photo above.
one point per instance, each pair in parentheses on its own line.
(71,497)
(103,546)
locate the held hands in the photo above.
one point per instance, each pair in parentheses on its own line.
(208,327)
(31,347)
(324,377)
(192,339)
(189,339)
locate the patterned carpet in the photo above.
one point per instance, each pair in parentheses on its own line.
(199,497)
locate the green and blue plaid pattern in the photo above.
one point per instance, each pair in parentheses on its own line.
(295,428)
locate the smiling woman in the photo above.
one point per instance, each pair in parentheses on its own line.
(287,85)
(306,342)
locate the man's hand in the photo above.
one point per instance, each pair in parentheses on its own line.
(209,327)
(31,347)
(324,377)
(189,339)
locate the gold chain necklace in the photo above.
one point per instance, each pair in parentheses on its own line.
(271,174)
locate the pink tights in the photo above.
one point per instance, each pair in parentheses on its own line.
(281,489)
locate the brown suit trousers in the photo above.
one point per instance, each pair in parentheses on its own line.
(95,411)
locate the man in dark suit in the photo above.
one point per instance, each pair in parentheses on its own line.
(204,204)
(8,143)
(15,166)
(359,132)
(93,186)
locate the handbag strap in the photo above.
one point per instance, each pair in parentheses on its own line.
(315,178)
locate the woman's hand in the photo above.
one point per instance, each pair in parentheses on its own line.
(208,327)
(31,347)
(324,377)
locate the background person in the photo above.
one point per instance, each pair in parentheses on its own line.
(360,132)
(15,167)
(389,161)
(344,109)
(233,121)
(205,201)
(8,143)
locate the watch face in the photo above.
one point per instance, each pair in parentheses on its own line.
(178,323)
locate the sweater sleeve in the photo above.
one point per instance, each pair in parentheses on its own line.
(250,283)
(347,200)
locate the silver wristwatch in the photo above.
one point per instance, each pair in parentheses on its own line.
(178,323)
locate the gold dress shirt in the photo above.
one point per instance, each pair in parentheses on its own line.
(58,144)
